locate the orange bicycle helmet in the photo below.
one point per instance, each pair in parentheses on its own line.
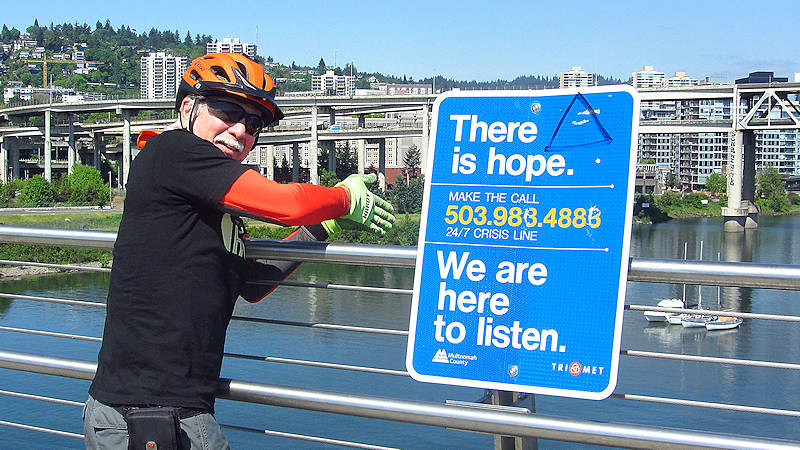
(231,74)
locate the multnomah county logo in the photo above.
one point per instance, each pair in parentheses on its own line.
(441,357)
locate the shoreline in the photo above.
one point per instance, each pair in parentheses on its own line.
(18,272)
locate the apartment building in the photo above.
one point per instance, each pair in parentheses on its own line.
(161,74)
(232,45)
(576,77)
(680,80)
(331,84)
(648,77)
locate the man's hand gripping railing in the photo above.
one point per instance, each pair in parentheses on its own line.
(367,210)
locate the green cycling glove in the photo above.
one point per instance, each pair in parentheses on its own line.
(366,208)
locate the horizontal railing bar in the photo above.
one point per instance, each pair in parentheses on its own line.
(638,353)
(51,334)
(451,416)
(739,274)
(712,312)
(54,300)
(40,429)
(699,404)
(302,362)
(64,238)
(404,332)
(41,398)
(341,287)
(8,262)
(712,359)
(325,326)
(233,355)
(304,437)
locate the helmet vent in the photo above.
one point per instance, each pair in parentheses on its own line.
(195,76)
(243,69)
(220,73)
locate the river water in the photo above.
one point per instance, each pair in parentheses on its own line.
(776,241)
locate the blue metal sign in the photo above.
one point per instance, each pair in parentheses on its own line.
(523,249)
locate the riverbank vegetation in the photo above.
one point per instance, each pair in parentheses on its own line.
(83,187)
(770,197)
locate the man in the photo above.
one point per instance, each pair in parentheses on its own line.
(178,259)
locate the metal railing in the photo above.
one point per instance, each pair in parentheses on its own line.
(455,416)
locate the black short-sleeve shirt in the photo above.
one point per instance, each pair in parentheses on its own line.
(173,283)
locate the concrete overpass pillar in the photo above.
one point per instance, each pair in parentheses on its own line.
(97,140)
(4,158)
(14,154)
(741,213)
(331,116)
(72,153)
(48,147)
(313,146)
(331,146)
(382,163)
(295,162)
(126,146)
(271,162)
(423,167)
(362,121)
(749,178)
(362,154)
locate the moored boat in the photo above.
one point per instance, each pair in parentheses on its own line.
(661,316)
(694,320)
(723,323)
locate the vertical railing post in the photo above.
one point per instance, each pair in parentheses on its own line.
(506,398)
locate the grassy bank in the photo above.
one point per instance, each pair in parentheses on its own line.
(54,254)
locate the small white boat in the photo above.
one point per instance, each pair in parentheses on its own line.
(674,318)
(723,323)
(661,316)
(694,320)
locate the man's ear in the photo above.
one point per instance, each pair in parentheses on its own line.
(186,108)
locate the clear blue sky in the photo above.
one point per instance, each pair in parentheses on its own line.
(466,39)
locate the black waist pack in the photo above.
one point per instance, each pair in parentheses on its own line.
(153,428)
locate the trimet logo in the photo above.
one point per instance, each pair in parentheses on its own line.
(441,357)
(575,368)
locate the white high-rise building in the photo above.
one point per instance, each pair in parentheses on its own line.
(161,74)
(576,77)
(232,45)
(330,84)
(648,78)
(680,79)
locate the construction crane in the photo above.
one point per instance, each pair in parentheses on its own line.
(56,61)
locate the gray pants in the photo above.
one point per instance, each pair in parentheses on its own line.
(105,428)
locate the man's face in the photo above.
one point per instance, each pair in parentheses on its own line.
(231,138)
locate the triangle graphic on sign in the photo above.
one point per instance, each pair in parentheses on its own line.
(579,127)
(440,357)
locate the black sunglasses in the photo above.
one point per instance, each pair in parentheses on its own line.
(232,113)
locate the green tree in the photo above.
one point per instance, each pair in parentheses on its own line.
(407,197)
(86,186)
(672,181)
(328,179)
(321,67)
(346,161)
(36,191)
(717,183)
(411,161)
(770,191)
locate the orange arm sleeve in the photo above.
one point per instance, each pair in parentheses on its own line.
(253,195)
